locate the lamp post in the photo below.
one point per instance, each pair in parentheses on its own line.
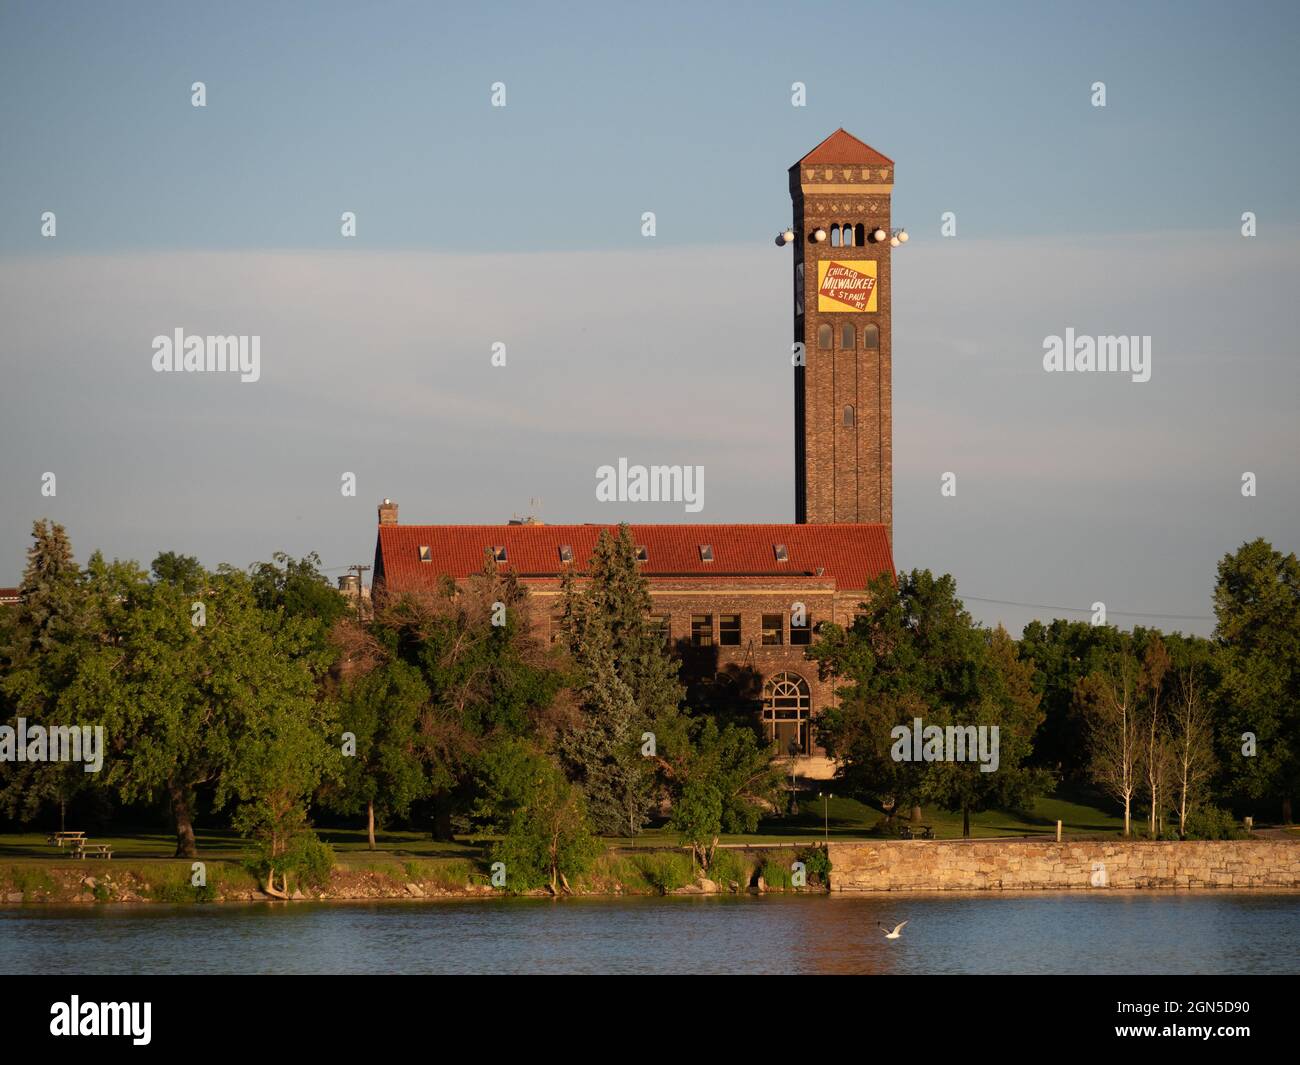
(825,797)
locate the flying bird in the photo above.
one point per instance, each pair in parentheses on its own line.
(888,934)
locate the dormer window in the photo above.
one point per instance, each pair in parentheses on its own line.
(642,553)
(426,555)
(499,553)
(706,552)
(782,555)
(566,553)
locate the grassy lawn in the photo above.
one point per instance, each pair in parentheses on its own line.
(847,819)
(850,819)
(224,845)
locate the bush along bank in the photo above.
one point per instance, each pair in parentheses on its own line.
(733,871)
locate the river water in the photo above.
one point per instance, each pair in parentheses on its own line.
(1111,932)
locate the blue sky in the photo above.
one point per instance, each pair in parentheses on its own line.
(613,109)
(523,225)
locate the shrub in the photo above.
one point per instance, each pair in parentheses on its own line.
(817,862)
(775,869)
(1213,822)
(665,870)
(728,864)
(306,859)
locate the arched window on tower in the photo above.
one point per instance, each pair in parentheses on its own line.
(848,337)
(850,418)
(835,235)
(825,335)
(860,234)
(848,235)
(871,337)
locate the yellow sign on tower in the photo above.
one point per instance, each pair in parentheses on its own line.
(846,286)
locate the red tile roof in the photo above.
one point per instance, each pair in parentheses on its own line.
(842,147)
(10,595)
(851,555)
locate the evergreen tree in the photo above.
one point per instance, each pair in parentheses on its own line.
(45,636)
(627,686)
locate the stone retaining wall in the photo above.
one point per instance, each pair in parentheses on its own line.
(1022,865)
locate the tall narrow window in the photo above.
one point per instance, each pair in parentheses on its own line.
(701,630)
(871,337)
(825,335)
(850,418)
(835,235)
(800,634)
(660,626)
(773,629)
(729,630)
(848,337)
(848,235)
(859,234)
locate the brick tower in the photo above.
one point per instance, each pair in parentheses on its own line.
(843,429)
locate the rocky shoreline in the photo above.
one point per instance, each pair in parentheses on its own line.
(67,887)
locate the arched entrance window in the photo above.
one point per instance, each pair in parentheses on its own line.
(787,704)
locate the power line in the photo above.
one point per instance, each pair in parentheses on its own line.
(1088,610)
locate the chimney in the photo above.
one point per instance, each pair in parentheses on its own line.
(387,512)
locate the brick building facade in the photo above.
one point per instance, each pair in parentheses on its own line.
(738,603)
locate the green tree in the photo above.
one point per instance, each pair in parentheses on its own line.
(1008,703)
(1257,604)
(1062,654)
(697,818)
(279,760)
(45,636)
(185,571)
(178,699)
(915,652)
(384,711)
(724,780)
(627,686)
(297,587)
(487,673)
(541,816)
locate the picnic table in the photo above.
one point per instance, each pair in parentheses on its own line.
(920,832)
(79,846)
